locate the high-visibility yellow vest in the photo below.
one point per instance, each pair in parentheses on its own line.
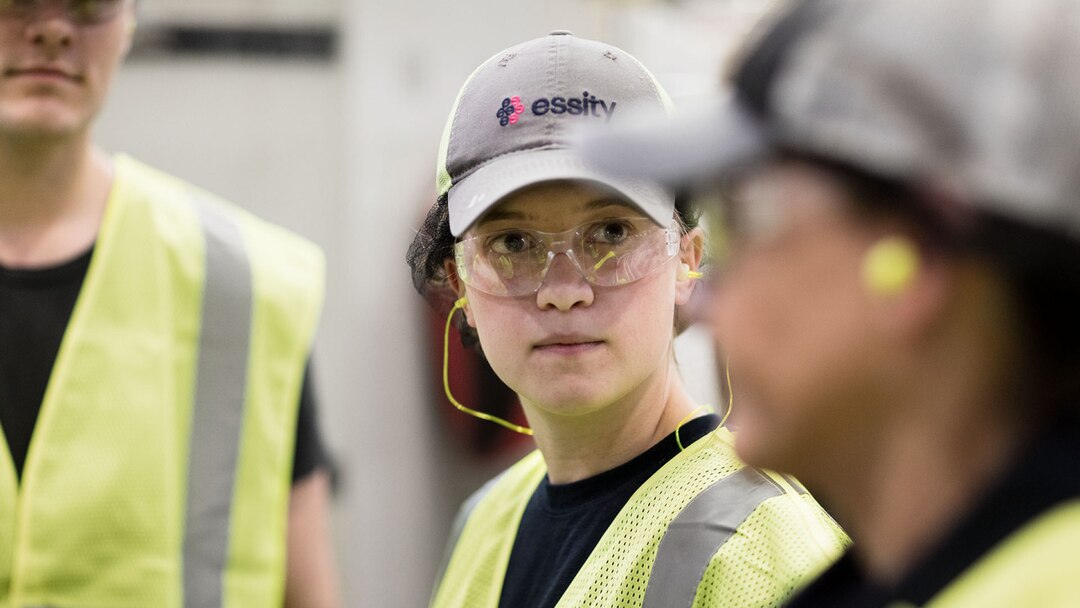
(159,471)
(705,530)
(1038,565)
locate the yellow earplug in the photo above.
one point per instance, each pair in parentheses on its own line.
(686,274)
(890,266)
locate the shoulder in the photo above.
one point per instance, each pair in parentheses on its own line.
(780,539)
(139,183)
(170,203)
(1035,566)
(502,498)
(757,535)
(518,481)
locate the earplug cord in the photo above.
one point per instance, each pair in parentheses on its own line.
(705,408)
(460,303)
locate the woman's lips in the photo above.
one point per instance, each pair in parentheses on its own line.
(43,73)
(568,347)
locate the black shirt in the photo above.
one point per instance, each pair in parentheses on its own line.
(562,523)
(1047,475)
(35,306)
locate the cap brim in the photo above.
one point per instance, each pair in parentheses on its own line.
(481,190)
(682,152)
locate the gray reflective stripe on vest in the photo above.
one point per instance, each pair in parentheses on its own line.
(218,411)
(696,533)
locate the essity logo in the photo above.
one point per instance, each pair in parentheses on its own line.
(510,110)
(586,105)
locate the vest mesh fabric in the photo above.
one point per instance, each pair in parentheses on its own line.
(617,571)
(785,540)
(477,566)
(783,544)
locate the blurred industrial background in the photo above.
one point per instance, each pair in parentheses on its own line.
(324,116)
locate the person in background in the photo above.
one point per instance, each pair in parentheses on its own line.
(153,345)
(570,282)
(899,306)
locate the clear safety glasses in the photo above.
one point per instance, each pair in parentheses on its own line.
(606,252)
(78,11)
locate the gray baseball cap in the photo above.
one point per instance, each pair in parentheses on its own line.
(980,96)
(515,118)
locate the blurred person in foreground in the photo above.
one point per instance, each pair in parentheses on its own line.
(153,344)
(570,282)
(902,201)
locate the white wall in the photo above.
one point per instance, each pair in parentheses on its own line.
(344,153)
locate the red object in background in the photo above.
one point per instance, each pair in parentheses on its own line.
(475,386)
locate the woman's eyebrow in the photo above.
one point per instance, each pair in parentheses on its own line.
(499,214)
(604,203)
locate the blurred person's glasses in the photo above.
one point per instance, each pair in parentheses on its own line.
(606,253)
(752,208)
(78,11)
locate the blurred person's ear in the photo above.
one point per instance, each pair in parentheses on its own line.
(908,290)
(890,266)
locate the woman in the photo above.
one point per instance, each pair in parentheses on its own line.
(900,309)
(570,281)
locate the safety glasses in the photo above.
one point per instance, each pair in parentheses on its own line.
(605,252)
(79,11)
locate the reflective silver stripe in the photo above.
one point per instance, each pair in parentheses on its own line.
(698,532)
(218,411)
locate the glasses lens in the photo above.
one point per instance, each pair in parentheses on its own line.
(506,263)
(607,253)
(622,251)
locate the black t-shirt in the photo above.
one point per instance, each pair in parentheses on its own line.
(35,306)
(562,523)
(1047,475)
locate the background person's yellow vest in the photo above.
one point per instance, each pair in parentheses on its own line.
(1038,565)
(768,537)
(159,470)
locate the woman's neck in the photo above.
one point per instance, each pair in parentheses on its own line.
(578,447)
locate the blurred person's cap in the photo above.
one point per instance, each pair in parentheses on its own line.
(515,116)
(981,97)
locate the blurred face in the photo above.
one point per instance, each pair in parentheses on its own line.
(57,59)
(790,314)
(571,347)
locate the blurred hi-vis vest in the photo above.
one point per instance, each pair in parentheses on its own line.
(159,470)
(1036,565)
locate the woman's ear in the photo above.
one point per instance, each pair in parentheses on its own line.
(452,279)
(691,252)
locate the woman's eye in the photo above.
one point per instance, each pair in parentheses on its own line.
(510,242)
(611,233)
